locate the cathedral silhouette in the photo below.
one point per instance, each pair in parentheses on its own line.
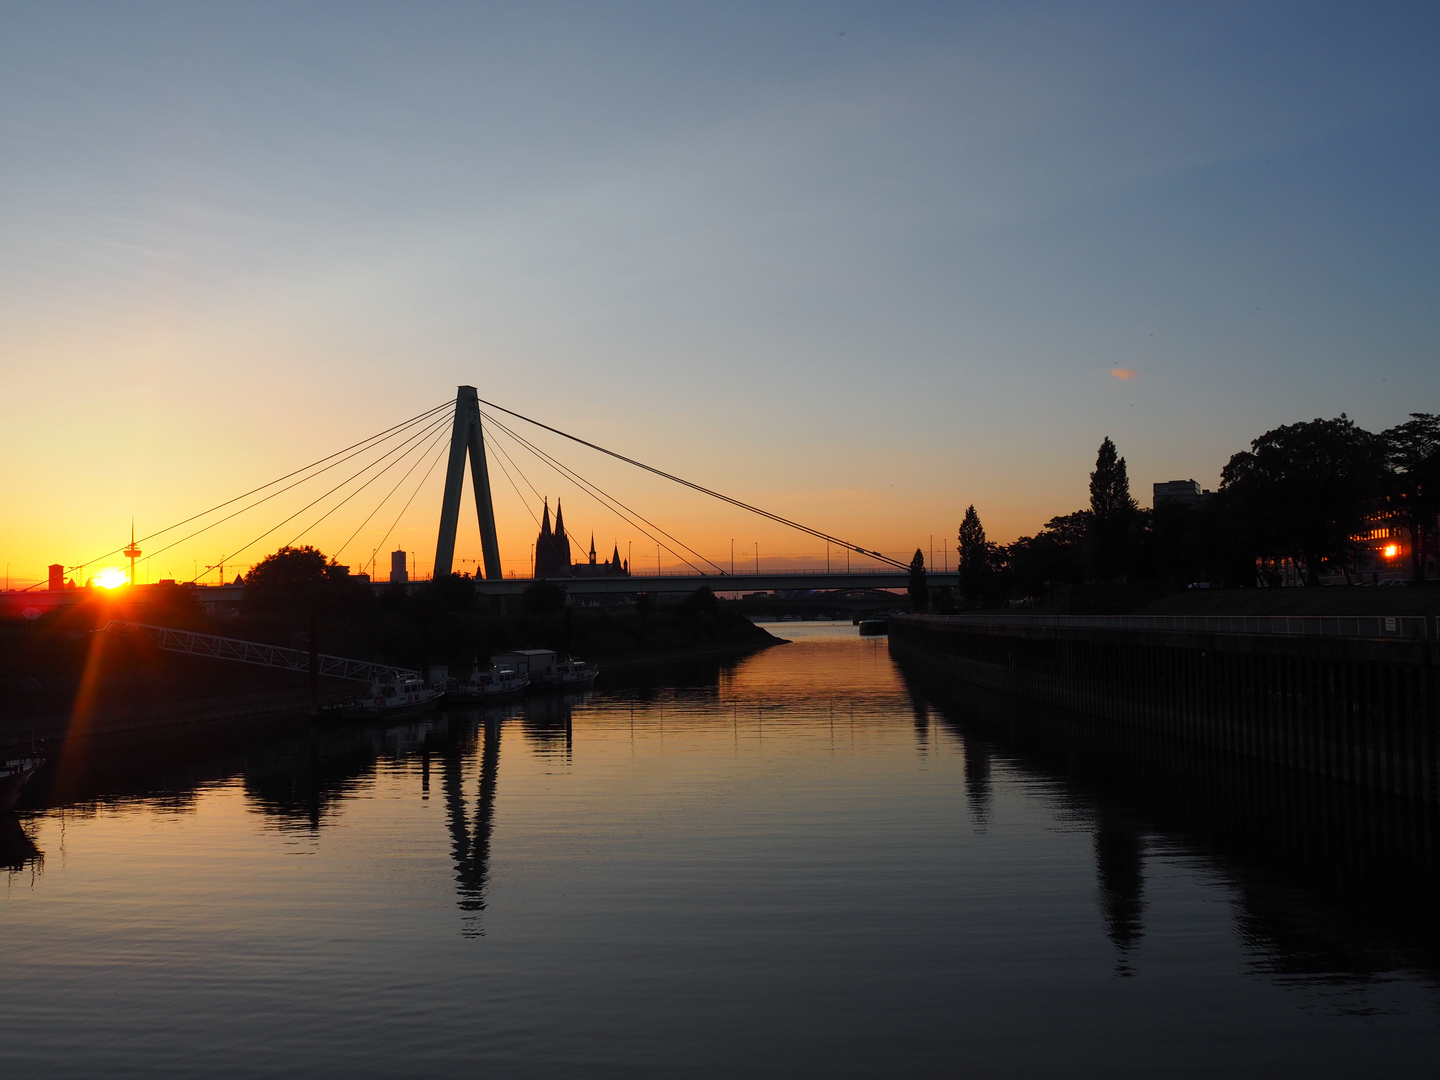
(552,552)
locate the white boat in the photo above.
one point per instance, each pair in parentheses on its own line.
(494,685)
(388,698)
(14,775)
(568,674)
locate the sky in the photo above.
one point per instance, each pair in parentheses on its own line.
(861,264)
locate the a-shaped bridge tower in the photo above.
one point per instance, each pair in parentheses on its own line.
(466,436)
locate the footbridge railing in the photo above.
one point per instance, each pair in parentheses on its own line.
(258,653)
(1346,626)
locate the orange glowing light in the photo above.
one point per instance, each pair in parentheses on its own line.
(1391,550)
(111,578)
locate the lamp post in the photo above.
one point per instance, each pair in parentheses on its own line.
(732,556)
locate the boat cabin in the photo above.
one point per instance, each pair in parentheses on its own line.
(530,662)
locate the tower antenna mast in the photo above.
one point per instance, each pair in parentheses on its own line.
(132,552)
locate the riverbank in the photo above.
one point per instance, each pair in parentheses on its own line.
(1360,710)
(124,688)
(1142,598)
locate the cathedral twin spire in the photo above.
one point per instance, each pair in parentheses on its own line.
(552,550)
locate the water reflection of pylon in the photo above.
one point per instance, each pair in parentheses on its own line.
(470,847)
(132,552)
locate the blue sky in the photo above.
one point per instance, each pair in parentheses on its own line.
(862,263)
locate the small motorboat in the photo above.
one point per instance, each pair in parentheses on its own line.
(874,626)
(394,698)
(568,674)
(14,775)
(497,684)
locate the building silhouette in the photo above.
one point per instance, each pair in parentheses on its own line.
(552,552)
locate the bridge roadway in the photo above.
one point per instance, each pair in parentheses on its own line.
(686,583)
(223,598)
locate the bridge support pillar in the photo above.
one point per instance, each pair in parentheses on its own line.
(465,438)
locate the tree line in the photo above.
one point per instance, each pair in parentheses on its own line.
(1304,495)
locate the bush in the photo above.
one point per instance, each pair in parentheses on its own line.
(701,602)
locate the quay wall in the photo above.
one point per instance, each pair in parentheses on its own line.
(1357,709)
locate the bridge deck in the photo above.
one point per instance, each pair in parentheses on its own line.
(685,583)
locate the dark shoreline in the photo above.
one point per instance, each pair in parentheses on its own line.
(19,733)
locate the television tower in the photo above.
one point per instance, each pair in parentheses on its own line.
(132,552)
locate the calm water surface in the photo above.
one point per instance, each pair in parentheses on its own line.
(799,864)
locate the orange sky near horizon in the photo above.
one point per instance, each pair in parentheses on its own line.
(85,522)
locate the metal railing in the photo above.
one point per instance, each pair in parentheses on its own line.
(258,653)
(1384,627)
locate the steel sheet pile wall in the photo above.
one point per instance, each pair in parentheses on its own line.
(1358,710)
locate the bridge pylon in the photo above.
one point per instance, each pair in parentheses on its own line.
(466,437)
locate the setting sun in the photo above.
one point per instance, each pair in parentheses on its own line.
(110,578)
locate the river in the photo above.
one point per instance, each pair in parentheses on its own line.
(805,862)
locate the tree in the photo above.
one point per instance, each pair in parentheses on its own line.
(1412,450)
(919,591)
(1227,541)
(1053,556)
(297,580)
(701,602)
(1305,490)
(453,592)
(1112,513)
(974,562)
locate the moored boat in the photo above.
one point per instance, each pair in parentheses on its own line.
(874,625)
(14,775)
(497,684)
(389,699)
(567,674)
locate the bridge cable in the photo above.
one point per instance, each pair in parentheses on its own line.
(494,444)
(373,444)
(604,498)
(500,449)
(311,503)
(272,483)
(418,462)
(438,458)
(436,429)
(436,432)
(818,534)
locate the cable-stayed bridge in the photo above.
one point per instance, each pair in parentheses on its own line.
(415,448)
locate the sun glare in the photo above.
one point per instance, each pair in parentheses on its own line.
(110,578)
(1391,550)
